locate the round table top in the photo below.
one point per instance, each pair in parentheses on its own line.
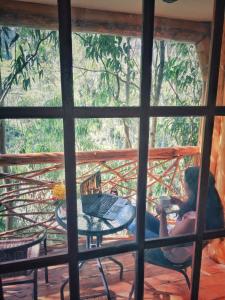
(93,226)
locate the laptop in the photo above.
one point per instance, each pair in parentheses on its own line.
(97,204)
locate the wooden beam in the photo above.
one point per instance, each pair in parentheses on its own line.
(97,156)
(15,13)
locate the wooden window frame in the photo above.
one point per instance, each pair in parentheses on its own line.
(69,113)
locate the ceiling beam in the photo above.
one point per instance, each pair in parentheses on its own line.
(15,13)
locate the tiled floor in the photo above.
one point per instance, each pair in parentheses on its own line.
(159,283)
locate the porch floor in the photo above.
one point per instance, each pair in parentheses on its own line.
(159,283)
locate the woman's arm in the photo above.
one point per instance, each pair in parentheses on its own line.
(163,231)
(185,226)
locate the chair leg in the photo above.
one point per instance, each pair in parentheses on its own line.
(62,288)
(35,293)
(131,292)
(186,278)
(119,264)
(46,252)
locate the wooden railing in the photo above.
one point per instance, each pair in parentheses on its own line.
(26,192)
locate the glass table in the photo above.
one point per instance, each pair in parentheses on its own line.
(94,229)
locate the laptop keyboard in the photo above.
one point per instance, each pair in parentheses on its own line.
(106,202)
(102,206)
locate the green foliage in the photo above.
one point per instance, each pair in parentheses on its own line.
(182,72)
(102,66)
(182,86)
(28,51)
(7,38)
(110,55)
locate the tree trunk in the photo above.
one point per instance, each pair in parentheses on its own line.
(126,127)
(157,91)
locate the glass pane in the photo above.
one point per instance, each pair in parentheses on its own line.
(173,162)
(118,281)
(30,67)
(32,183)
(106,177)
(106,54)
(212,271)
(45,290)
(161,281)
(181,53)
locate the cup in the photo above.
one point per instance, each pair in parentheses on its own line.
(165,201)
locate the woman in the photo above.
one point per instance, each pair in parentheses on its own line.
(186,218)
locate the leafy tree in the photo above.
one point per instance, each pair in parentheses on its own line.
(182,85)
(26,50)
(113,61)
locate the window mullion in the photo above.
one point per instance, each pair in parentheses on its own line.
(65,42)
(146,63)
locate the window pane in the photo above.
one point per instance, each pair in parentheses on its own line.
(32,181)
(30,68)
(181,53)
(161,280)
(57,276)
(173,162)
(110,149)
(106,54)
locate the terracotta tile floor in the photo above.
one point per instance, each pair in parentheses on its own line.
(159,283)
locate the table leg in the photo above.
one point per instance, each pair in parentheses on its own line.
(119,264)
(66,282)
(103,278)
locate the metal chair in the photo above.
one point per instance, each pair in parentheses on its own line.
(14,249)
(156,257)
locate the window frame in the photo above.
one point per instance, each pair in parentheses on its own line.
(69,113)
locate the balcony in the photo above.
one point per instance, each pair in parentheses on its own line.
(28,206)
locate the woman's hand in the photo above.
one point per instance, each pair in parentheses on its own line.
(160,209)
(175,201)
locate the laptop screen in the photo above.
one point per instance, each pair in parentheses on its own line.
(92,185)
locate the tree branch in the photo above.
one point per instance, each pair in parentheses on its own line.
(19,70)
(106,71)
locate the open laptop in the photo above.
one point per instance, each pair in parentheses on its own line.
(97,204)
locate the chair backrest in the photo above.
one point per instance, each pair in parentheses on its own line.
(14,249)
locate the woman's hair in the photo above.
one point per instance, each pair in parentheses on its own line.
(214,208)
